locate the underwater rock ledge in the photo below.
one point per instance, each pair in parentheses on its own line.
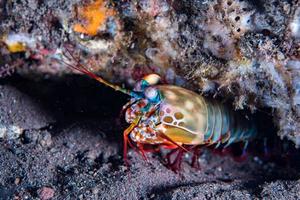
(241,50)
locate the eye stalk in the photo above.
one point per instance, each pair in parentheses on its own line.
(149,80)
(151,93)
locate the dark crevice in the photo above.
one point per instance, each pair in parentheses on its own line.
(71,97)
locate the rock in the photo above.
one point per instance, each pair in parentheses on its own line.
(45,139)
(210,47)
(59,138)
(46,193)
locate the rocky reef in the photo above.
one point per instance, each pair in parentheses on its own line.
(245,52)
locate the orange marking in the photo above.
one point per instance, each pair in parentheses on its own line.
(178,115)
(94,15)
(168,119)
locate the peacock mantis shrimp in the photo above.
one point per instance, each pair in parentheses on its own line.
(175,118)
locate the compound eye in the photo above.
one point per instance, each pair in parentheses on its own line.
(152,94)
(152,79)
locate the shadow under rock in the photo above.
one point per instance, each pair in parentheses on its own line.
(74,99)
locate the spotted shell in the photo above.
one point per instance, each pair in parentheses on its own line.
(189,118)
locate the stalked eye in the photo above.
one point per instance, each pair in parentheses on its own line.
(152,94)
(152,79)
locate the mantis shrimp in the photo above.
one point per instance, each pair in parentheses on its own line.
(175,118)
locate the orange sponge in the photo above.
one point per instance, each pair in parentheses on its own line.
(94,15)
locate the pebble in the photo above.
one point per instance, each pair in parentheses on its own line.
(17,181)
(45,139)
(46,193)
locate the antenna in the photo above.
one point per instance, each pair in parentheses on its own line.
(83,69)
